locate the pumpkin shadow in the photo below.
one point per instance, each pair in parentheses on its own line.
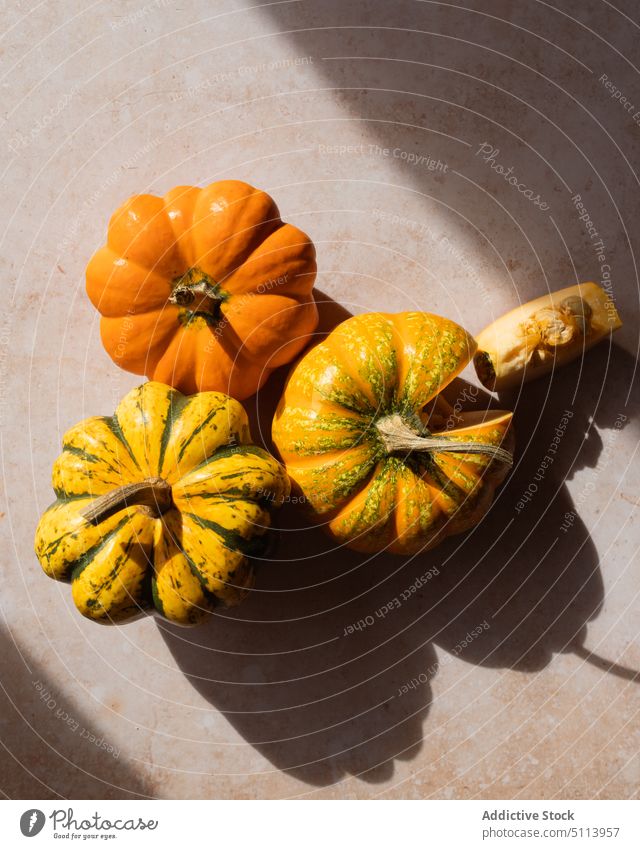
(326,668)
(428,86)
(531,569)
(301,675)
(305,669)
(52,749)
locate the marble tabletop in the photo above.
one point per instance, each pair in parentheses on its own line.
(389,132)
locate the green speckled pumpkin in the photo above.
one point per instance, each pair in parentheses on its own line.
(162,505)
(377,453)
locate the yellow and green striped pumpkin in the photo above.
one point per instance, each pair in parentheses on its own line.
(163,505)
(377,453)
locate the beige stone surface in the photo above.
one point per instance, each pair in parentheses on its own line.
(364,120)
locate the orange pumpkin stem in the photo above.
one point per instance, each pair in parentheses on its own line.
(398,435)
(154,493)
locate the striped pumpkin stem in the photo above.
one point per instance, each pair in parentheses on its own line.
(398,435)
(154,493)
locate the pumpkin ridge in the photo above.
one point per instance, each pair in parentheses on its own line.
(203,580)
(322,435)
(338,347)
(215,575)
(241,258)
(92,459)
(323,458)
(198,430)
(166,548)
(94,474)
(239,207)
(416,513)
(232,540)
(365,514)
(155,595)
(312,372)
(86,558)
(53,545)
(152,222)
(410,376)
(157,325)
(227,451)
(81,452)
(143,413)
(464,479)
(401,362)
(337,397)
(436,335)
(100,284)
(445,485)
(110,590)
(488,425)
(303,243)
(371,374)
(63,537)
(102,449)
(233,475)
(209,598)
(341,480)
(327,410)
(177,403)
(114,426)
(276,224)
(171,204)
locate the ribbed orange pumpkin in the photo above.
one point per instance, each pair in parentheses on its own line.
(377,453)
(204,289)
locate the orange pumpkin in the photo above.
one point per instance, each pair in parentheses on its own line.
(204,289)
(376,452)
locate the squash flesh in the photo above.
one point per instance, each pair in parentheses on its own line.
(544,334)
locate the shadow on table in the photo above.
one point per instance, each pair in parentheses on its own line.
(440,82)
(318,697)
(51,749)
(315,676)
(530,568)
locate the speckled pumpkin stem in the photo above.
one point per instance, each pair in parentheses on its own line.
(398,435)
(154,493)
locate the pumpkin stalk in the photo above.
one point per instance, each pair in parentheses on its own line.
(154,493)
(184,294)
(398,435)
